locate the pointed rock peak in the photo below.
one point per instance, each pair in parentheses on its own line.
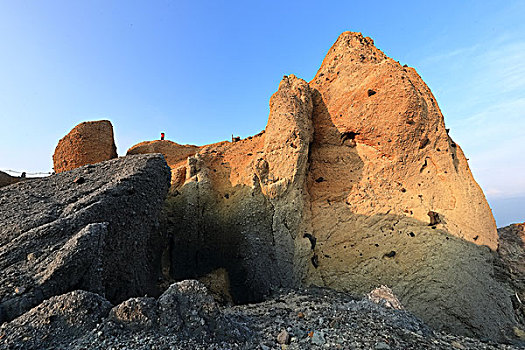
(349,49)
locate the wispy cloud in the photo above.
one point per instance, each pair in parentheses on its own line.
(482,93)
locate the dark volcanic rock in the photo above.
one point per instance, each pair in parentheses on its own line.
(185,317)
(512,252)
(99,234)
(56,321)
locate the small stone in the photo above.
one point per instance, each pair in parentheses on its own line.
(520,333)
(31,256)
(382,346)
(79,180)
(283,337)
(318,338)
(457,345)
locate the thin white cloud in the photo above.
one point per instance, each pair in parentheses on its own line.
(483,98)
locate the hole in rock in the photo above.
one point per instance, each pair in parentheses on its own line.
(349,135)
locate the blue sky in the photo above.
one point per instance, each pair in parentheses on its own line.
(202,70)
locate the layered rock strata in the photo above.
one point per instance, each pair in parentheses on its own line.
(93,228)
(87,143)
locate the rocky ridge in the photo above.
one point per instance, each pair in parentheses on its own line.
(338,191)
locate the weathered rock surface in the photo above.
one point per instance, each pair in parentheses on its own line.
(87,143)
(185,317)
(93,228)
(6,179)
(512,252)
(56,322)
(402,160)
(240,205)
(174,154)
(354,183)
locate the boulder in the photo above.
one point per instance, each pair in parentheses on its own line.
(94,228)
(88,143)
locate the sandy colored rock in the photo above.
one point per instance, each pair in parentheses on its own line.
(238,206)
(88,143)
(386,297)
(403,162)
(174,154)
(354,183)
(392,198)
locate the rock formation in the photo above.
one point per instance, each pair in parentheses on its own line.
(174,154)
(88,143)
(93,228)
(512,252)
(354,183)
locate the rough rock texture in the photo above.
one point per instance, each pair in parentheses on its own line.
(392,199)
(403,162)
(94,228)
(185,317)
(354,183)
(55,322)
(88,143)
(240,207)
(512,252)
(174,154)
(6,179)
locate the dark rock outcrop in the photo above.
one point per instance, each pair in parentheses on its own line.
(512,252)
(93,228)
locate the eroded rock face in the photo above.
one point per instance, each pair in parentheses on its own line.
(402,161)
(88,143)
(174,154)
(512,252)
(94,228)
(392,198)
(354,183)
(240,207)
